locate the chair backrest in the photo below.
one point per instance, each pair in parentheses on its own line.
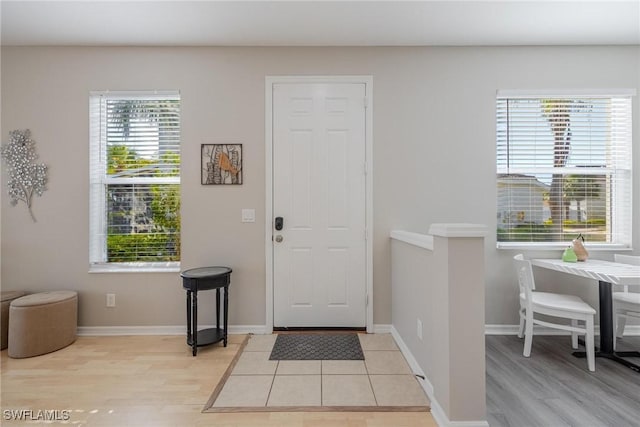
(525,277)
(627,259)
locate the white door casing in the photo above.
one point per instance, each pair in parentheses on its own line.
(318,138)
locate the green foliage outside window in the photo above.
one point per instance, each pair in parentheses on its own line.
(151,232)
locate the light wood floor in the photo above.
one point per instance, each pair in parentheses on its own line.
(554,388)
(150,381)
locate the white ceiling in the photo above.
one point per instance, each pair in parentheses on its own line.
(320,23)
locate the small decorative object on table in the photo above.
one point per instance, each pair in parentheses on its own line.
(569,255)
(579,249)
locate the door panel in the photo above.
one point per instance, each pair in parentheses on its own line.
(319,189)
(301,264)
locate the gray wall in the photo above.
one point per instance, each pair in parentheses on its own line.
(434,158)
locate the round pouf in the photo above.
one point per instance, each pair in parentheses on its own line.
(7,297)
(41,323)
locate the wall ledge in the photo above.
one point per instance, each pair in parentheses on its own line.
(416,239)
(458,230)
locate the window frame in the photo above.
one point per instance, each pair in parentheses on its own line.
(575,94)
(99,179)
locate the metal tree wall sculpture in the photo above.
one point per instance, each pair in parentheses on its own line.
(26,178)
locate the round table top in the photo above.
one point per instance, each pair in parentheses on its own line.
(204,272)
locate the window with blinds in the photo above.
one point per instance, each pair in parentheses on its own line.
(563,168)
(135,179)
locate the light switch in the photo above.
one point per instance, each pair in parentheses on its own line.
(248,215)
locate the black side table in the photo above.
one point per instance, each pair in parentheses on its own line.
(204,279)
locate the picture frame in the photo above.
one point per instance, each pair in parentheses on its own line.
(221,164)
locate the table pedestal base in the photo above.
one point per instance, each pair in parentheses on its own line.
(616,356)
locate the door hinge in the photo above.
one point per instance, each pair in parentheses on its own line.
(366,102)
(365,167)
(366,300)
(366,232)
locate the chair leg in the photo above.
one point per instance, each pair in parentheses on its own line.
(528,335)
(574,335)
(589,344)
(621,322)
(521,328)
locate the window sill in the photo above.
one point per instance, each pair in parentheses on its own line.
(548,246)
(136,267)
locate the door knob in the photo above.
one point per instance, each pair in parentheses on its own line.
(279,238)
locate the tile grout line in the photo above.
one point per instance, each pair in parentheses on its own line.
(321,382)
(273,380)
(373,391)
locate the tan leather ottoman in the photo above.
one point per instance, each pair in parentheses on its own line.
(41,323)
(7,297)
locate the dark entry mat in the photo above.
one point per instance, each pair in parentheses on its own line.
(317,347)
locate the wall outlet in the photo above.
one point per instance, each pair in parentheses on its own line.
(111,300)
(419,329)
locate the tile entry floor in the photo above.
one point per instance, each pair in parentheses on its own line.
(383,379)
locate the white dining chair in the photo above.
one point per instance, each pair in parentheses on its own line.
(551,304)
(625,304)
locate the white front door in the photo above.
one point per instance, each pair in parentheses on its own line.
(319,191)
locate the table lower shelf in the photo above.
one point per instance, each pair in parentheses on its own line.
(208,336)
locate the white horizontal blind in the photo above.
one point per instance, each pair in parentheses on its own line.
(135,177)
(564,168)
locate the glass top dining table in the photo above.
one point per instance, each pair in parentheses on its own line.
(607,273)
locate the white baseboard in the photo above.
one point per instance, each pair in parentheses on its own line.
(630,330)
(436,410)
(381,329)
(162,330)
(182,330)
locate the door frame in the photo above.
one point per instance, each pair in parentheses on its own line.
(270,81)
